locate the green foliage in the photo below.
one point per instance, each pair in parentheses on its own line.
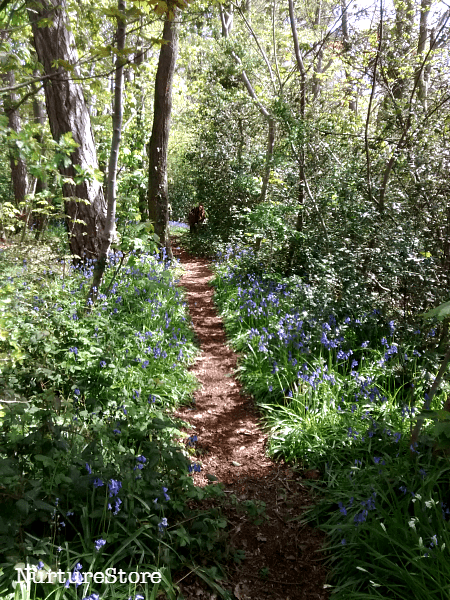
(87,449)
(340,390)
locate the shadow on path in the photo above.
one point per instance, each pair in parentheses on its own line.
(281,554)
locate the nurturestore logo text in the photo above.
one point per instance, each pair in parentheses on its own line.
(111,575)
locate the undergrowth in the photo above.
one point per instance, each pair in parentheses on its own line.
(94,476)
(340,387)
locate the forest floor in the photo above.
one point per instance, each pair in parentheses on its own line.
(283,558)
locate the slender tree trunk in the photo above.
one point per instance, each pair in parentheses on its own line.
(67,112)
(109,230)
(301,68)
(347,48)
(41,184)
(19,175)
(404,23)
(423,34)
(158,197)
(227,24)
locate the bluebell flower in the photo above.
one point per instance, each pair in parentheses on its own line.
(117,504)
(92,597)
(97,482)
(192,440)
(102,364)
(342,508)
(360,517)
(166,495)
(114,487)
(88,468)
(76,577)
(99,543)
(76,391)
(117,431)
(40,565)
(163,524)
(141,459)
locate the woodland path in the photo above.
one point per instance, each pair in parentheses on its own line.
(231,446)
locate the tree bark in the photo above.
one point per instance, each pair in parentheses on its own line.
(40,118)
(404,23)
(109,230)
(423,34)
(19,174)
(227,24)
(158,196)
(301,158)
(347,47)
(67,112)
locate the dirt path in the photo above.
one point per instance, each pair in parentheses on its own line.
(281,559)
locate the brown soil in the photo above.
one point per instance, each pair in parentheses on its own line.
(282,556)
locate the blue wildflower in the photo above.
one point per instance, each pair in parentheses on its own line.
(99,543)
(163,524)
(114,487)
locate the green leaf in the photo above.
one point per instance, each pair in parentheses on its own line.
(440,312)
(22,506)
(45,460)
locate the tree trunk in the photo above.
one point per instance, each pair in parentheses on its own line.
(19,175)
(41,184)
(301,68)
(158,197)
(347,47)
(67,112)
(227,24)
(421,76)
(109,230)
(404,23)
